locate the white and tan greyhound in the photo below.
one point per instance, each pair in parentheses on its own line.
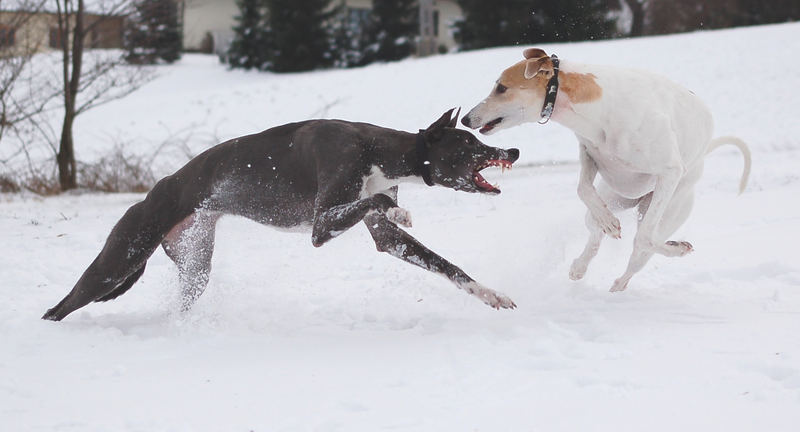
(644,134)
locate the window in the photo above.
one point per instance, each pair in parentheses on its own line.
(357,18)
(436,23)
(55,38)
(6,36)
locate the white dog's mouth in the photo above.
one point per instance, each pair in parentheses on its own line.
(489,126)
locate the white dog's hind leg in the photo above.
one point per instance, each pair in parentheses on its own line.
(677,213)
(674,217)
(646,241)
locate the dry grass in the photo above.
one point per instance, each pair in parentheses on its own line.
(114,172)
(117,172)
(8,185)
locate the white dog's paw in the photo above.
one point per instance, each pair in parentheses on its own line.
(488,296)
(400,216)
(677,249)
(578,269)
(608,223)
(619,285)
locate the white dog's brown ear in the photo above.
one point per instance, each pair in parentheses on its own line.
(542,65)
(530,53)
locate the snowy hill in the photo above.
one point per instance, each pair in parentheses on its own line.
(341,338)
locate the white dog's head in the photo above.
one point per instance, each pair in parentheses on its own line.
(517,96)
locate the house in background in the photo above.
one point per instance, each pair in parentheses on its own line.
(30,27)
(208,24)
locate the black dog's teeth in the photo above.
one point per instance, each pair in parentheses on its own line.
(503,164)
(496,163)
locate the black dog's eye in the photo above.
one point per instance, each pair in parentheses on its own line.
(500,89)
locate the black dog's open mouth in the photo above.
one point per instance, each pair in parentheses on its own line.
(481,183)
(489,126)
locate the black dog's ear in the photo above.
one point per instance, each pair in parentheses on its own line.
(454,120)
(443,121)
(435,130)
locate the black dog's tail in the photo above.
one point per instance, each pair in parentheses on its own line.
(56,313)
(122,261)
(72,301)
(61,310)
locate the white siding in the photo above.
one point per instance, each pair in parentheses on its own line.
(449,12)
(201,17)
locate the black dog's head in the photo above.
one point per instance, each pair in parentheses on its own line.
(456,157)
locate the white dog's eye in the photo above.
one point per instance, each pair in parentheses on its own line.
(500,89)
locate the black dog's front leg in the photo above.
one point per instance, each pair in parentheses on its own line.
(329,223)
(398,243)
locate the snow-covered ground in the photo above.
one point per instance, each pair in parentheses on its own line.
(341,338)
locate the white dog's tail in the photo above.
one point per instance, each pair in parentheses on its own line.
(716,142)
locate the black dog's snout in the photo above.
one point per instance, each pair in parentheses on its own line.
(465,121)
(513,154)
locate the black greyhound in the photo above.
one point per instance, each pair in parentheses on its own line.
(324,174)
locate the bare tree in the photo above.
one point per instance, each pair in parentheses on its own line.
(23,98)
(102,79)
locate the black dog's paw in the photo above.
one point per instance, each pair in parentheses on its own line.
(399,216)
(492,298)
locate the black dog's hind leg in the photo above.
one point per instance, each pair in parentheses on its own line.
(190,244)
(398,243)
(130,244)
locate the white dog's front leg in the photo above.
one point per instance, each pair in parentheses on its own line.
(588,194)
